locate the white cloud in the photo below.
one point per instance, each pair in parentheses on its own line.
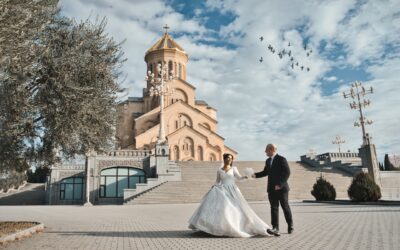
(257,102)
(330,78)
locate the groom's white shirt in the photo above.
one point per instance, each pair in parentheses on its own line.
(272,159)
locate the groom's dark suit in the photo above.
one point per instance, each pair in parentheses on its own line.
(278,174)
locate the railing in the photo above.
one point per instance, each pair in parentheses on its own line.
(343,164)
(127,153)
(72,167)
(328,156)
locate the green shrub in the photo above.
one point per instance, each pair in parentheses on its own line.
(323,190)
(364,188)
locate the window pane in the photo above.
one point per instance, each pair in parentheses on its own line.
(111,190)
(78,191)
(133,180)
(110,171)
(102,180)
(133,171)
(101,191)
(122,184)
(122,171)
(68,180)
(69,188)
(78,180)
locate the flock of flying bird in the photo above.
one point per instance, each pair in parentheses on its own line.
(288,52)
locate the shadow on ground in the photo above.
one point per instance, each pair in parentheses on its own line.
(140,234)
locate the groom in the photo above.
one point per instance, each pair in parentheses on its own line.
(277,169)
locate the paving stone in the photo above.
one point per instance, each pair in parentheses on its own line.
(164,226)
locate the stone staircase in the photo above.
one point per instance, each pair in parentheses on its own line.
(198,177)
(390,185)
(30,194)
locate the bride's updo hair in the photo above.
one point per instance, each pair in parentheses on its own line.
(226,155)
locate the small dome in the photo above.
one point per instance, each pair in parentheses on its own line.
(165,42)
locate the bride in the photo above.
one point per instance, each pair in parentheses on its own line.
(223,211)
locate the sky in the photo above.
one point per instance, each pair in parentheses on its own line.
(269,102)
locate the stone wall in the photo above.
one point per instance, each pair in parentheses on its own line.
(390,185)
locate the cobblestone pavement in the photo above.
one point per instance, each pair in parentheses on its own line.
(317,226)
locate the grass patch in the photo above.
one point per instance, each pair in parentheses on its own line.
(10,227)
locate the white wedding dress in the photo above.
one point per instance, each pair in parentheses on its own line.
(223,211)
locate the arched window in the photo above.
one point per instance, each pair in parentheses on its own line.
(176,153)
(159,63)
(170,68)
(71,188)
(114,180)
(175,70)
(200,153)
(180,71)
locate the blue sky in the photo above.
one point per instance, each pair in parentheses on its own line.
(266,102)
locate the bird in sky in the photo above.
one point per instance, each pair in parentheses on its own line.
(290,53)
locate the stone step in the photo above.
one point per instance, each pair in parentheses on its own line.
(198,177)
(30,194)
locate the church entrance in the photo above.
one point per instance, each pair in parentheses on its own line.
(114,180)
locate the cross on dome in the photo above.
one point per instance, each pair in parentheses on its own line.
(166,27)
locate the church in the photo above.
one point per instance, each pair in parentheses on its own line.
(190,125)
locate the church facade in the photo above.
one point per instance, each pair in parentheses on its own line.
(190,125)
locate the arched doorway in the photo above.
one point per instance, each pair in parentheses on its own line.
(188,147)
(212,157)
(114,180)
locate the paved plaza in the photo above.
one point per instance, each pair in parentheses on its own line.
(317,226)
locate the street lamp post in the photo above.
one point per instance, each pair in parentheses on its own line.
(367,151)
(338,140)
(357,93)
(159,88)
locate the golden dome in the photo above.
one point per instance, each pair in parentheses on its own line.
(165,42)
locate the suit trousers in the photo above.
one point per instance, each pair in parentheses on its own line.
(275,197)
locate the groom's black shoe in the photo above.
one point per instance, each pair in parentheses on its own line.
(274,232)
(290,230)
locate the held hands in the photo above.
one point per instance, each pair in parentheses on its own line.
(277,187)
(249,173)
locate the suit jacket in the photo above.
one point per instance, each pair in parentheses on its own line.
(278,173)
